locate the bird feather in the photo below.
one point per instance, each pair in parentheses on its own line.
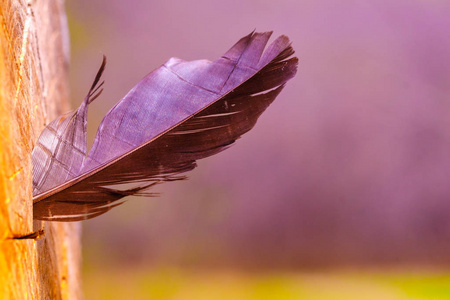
(177,114)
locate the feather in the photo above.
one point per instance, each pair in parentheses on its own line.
(61,148)
(177,114)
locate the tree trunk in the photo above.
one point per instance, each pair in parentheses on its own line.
(34,55)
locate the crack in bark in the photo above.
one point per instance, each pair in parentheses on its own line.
(32,236)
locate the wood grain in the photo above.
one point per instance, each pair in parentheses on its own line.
(34,55)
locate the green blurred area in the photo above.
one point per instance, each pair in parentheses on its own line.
(348,167)
(173,283)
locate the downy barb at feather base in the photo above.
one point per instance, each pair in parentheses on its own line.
(180,112)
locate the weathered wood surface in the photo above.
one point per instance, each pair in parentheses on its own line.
(33,90)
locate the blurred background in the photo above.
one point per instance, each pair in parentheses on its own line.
(341,187)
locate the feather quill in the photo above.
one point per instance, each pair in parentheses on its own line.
(177,114)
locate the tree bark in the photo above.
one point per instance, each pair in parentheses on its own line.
(34,55)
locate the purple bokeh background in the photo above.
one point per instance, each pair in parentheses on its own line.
(350,165)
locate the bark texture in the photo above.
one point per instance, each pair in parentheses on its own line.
(34,55)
